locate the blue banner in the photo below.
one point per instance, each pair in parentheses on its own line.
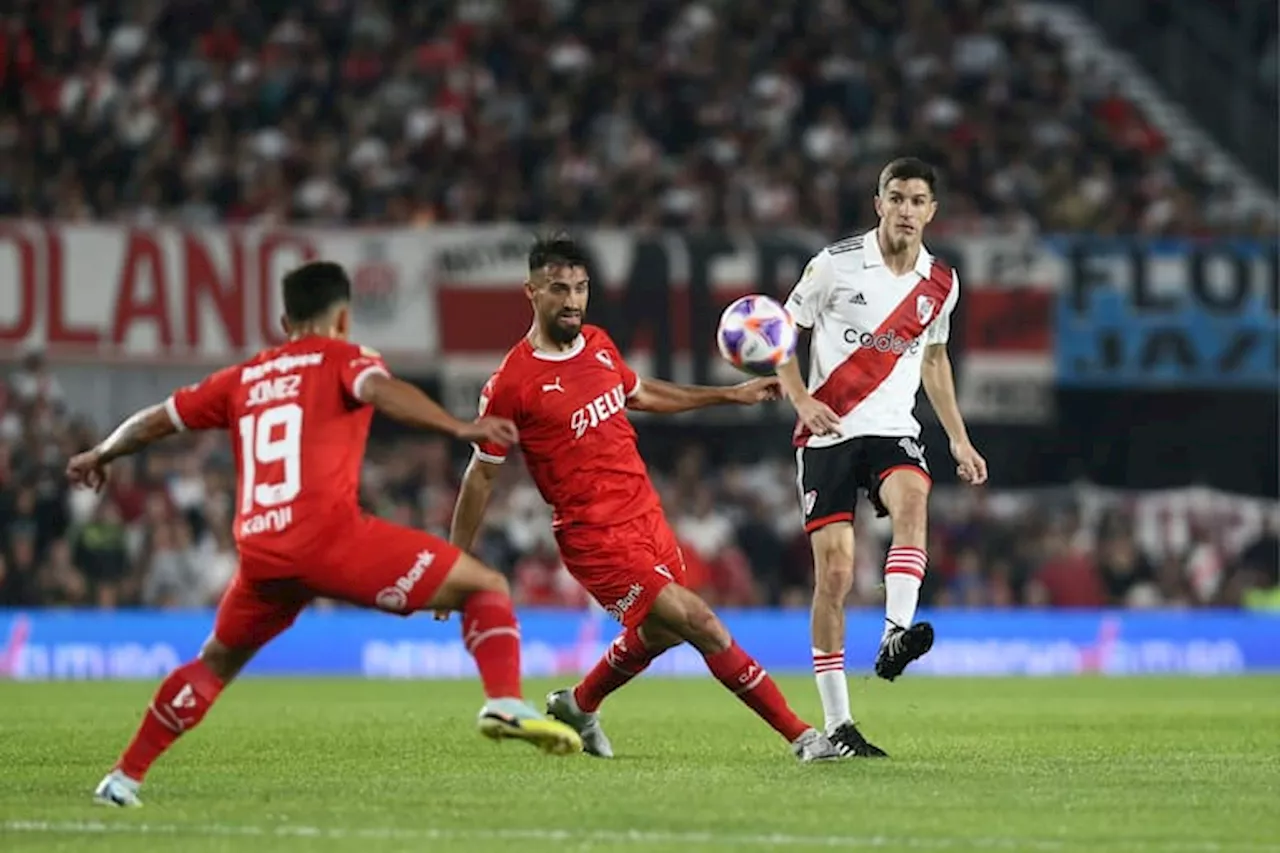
(39,645)
(1168,314)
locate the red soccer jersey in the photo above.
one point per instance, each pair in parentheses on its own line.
(298,433)
(580,447)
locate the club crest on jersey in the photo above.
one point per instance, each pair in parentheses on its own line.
(605,358)
(925,306)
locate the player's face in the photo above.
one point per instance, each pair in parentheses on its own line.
(559,297)
(905,208)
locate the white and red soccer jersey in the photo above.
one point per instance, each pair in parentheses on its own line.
(580,447)
(870,328)
(298,433)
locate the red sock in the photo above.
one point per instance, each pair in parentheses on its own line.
(491,635)
(625,658)
(739,672)
(183,699)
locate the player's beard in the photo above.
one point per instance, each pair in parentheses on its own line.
(563,333)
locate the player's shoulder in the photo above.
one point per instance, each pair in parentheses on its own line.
(941,271)
(509,371)
(848,245)
(597,336)
(846,256)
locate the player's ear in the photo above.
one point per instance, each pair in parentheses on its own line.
(342,322)
(530,289)
(284,324)
(933,211)
(879,207)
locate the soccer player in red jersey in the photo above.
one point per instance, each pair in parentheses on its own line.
(298,415)
(567,388)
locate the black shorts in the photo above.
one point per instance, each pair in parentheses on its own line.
(830,477)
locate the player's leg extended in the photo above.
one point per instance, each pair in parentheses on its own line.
(904,493)
(628,655)
(685,614)
(401,570)
(249,616)
(828,481)
(832,546)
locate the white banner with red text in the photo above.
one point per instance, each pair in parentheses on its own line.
(449,300)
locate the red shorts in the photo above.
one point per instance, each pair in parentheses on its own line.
(624,566)
(369,563)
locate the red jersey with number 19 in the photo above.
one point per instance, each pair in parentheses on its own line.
(570,408)
(298,434)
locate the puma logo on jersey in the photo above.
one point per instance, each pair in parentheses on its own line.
(553,386)
(598,411)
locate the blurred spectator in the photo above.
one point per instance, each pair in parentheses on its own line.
(683,113)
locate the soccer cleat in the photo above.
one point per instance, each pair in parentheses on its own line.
(901,647)
(813,745)
(851,744)
(513,719)
(117,789)
(562,706)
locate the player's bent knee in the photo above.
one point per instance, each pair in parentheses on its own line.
(656,637)
(833,562)
(705,630)
(909,513)
(467,577)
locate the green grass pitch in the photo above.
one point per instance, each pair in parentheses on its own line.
(1087,764)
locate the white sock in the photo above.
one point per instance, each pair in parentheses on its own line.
(828,669)
(903,574)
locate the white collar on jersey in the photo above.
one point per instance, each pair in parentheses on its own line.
(872,256)
(579,344)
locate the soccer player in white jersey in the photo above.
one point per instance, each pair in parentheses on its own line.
(879,307)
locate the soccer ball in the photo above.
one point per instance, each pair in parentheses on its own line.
(756,334)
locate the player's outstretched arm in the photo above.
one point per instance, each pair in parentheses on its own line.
(406,403)
(668,398)
(140,429)
(473,500)
(940,386)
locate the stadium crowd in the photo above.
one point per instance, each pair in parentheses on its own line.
(160,536)
(675,112)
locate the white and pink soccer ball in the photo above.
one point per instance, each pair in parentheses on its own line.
(756,334)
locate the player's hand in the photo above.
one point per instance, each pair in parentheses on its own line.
(499,431)
(817,416)
(970,466)
(756,391)
(87,469)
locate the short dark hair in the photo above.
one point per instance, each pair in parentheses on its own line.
(558,250)
(314,288)
(906,168)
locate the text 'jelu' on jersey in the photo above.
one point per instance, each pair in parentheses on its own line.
(598,411)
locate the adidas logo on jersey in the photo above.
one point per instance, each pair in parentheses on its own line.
(858,299)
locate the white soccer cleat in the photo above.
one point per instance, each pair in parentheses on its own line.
(562,706)
(117,789)
(813,745)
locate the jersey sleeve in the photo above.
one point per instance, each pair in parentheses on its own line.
(206,404)
(812,291)
(940,329)
(357,366)
(496,400)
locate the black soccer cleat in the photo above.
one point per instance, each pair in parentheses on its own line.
(851,744)
(901,647)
